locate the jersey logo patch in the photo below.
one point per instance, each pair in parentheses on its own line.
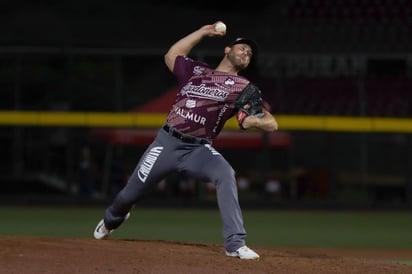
(229,82)
(204,92)
(198,70)
(190,103)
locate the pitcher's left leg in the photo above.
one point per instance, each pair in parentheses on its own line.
(234,232)
(207,163)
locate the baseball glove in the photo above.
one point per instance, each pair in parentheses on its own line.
(249,102)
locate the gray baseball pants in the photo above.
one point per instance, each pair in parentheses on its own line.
(168,153)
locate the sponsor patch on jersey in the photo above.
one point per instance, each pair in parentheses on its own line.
(229,82)
(219,117)
(190,115)
(197,70)
(190,103)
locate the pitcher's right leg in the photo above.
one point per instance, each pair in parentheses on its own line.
(154,165)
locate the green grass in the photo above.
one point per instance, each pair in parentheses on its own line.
(340,229)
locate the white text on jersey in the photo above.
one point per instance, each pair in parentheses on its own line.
(190,116)
(202,91)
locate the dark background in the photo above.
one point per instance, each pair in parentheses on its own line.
(348,58)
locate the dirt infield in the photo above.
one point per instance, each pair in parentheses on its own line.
(22,255)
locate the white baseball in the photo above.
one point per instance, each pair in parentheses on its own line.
(220,27)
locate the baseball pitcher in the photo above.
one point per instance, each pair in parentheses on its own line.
(208,97)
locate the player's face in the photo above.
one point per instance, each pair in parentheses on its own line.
(240,56)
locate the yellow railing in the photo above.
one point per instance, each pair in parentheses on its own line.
(128,119)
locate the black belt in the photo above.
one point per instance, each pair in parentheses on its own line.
(183,137)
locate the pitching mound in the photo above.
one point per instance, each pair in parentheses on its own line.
(56,255)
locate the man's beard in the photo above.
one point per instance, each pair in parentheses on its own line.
(236,62)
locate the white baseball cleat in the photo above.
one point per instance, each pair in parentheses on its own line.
(244,253)
(101,232)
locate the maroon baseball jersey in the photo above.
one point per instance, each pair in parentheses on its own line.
(206,98)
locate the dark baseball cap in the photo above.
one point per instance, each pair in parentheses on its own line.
(250,42)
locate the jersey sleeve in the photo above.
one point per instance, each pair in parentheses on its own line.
(185,68)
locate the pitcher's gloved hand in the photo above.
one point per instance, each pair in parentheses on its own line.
(249,102)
